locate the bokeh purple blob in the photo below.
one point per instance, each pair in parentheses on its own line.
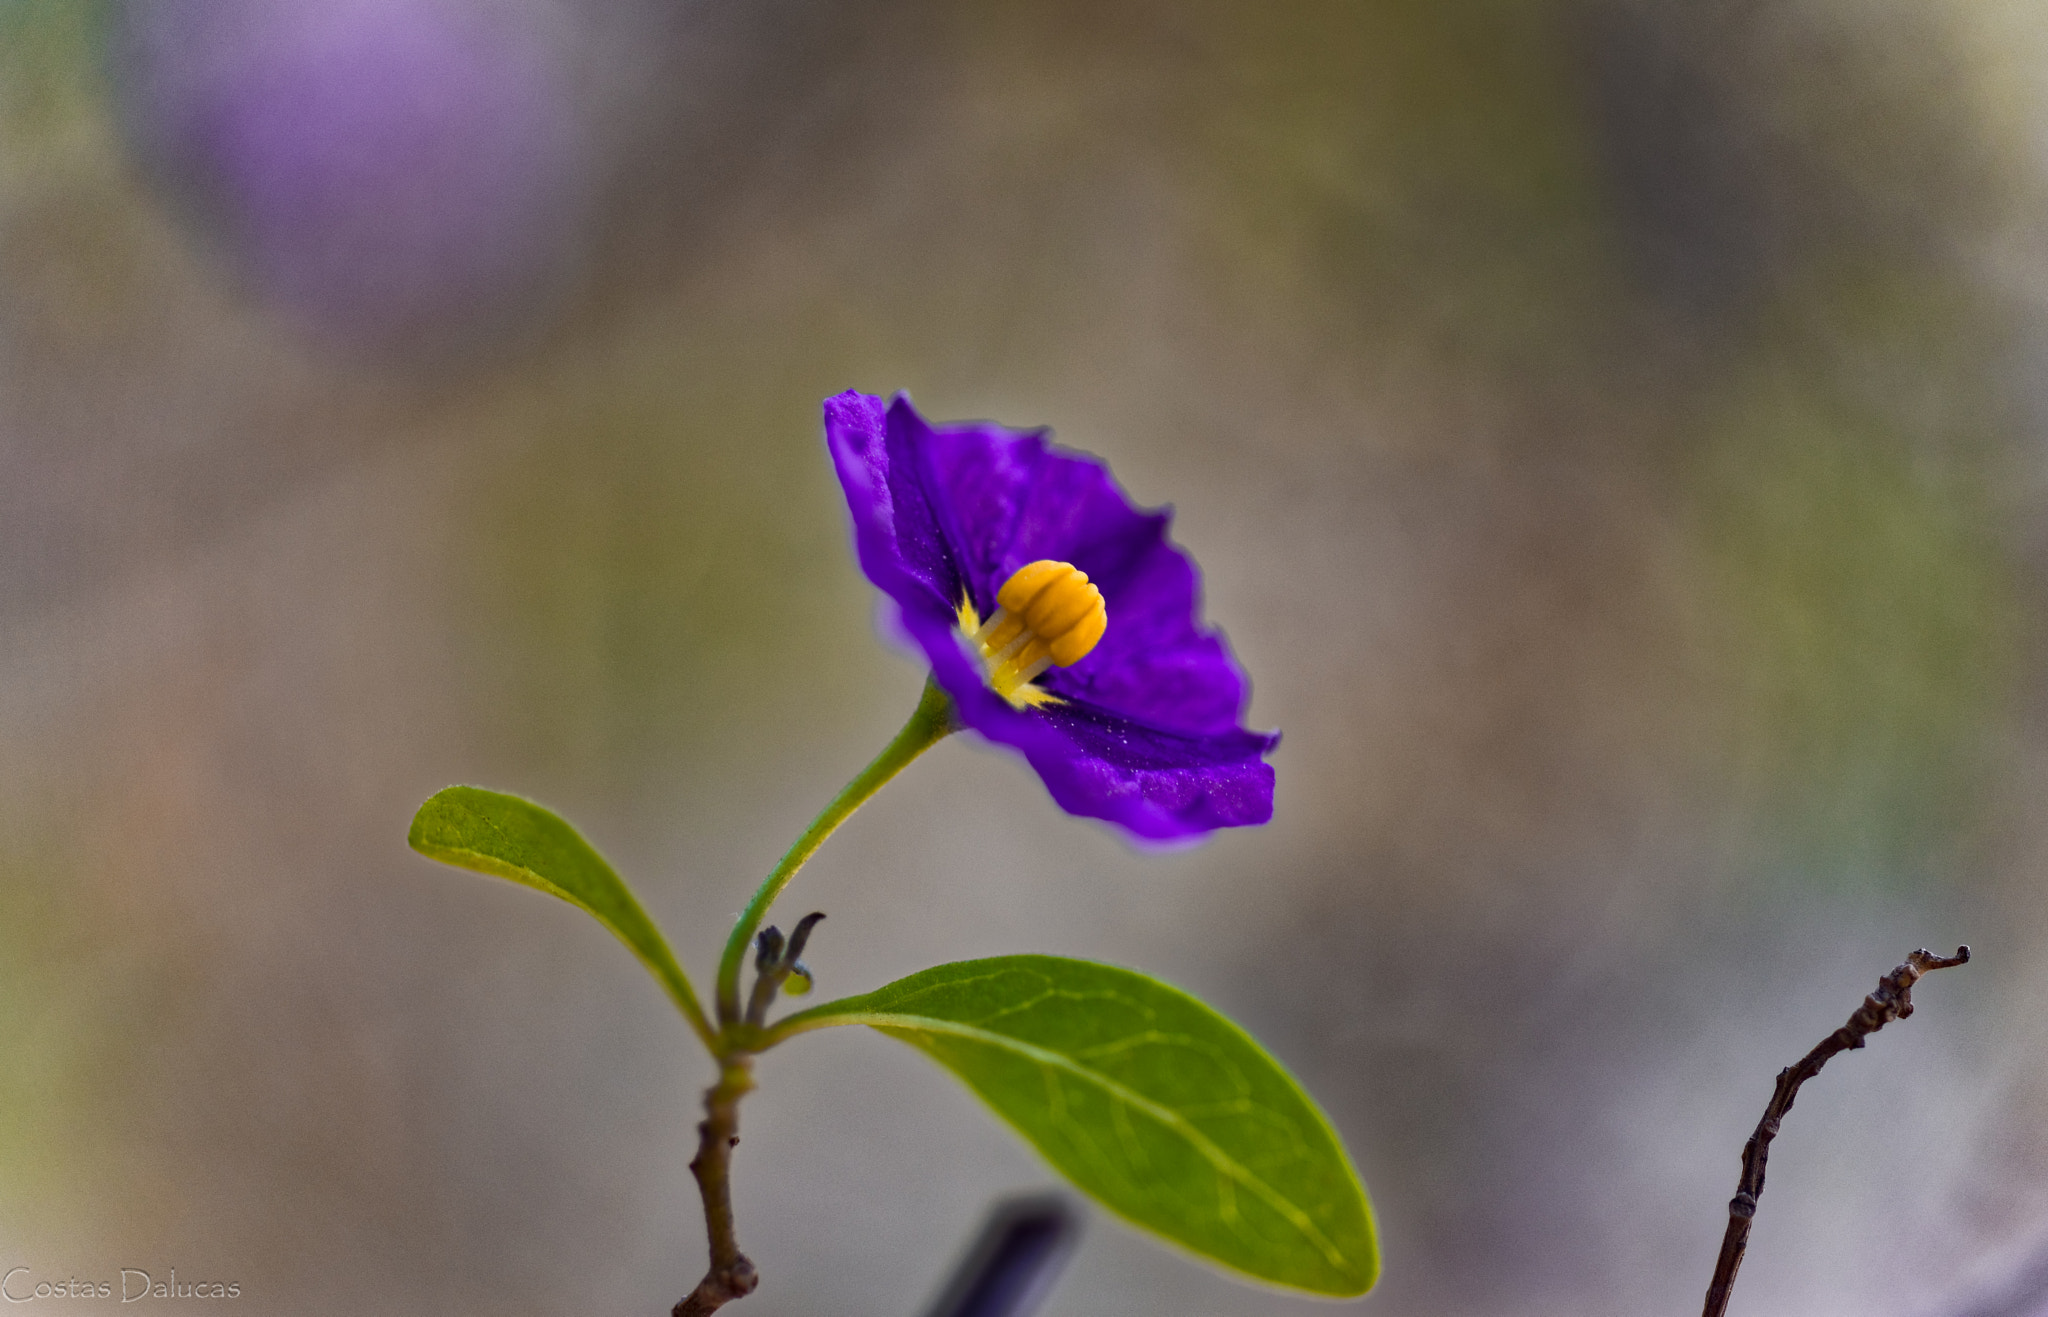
(394,172)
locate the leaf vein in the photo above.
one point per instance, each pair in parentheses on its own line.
(1230,1172)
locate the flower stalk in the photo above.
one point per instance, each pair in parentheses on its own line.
(929,724)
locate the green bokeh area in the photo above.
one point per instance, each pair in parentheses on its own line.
(654,563)
(1867,611)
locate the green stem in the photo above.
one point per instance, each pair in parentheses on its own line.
(928,726)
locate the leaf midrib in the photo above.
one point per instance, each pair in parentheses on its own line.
(1218,1159)
(658,958)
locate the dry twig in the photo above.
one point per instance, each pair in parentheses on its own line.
(1893,1000)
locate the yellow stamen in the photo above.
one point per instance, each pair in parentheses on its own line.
(1047,614)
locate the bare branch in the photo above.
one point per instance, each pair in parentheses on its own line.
(1893,1000)
(732,1275)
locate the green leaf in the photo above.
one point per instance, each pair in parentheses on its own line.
(1164,1111)
(508,837)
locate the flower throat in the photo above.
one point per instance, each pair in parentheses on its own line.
(1048,614)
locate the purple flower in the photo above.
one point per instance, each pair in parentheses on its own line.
(1006,556)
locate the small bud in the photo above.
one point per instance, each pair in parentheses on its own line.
(802,934)
(769,949)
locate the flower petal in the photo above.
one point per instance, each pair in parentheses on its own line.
(1145,731)
(1156,663)
(1160,785)
(981,477)
(902,547)
(1016,499)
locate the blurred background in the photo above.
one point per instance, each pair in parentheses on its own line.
(1614,434)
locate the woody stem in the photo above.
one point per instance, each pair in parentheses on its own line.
(731,1274)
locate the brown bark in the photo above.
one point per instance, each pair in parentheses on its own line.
(1893,1000)
(732,1275)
